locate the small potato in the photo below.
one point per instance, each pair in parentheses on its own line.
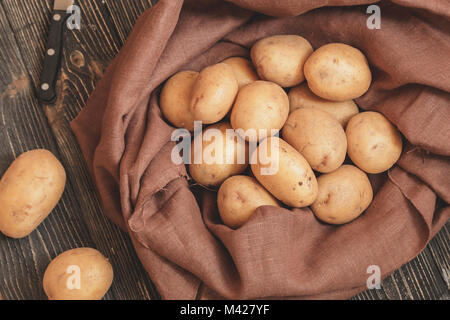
(374,144)
(243,70)
(261,105)
(78,274)
(343,195)
(338,72)
(176,97)
(284,172)
(213,93)
(302,97)
(239,197)
(318,137)
(216,156)
(281,59)
(29,190)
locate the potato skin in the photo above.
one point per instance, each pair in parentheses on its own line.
(29,190)
(374,144)
(213,93)
(294,182)
(260,105)
(281,58)
(318,137)
(239,197)
(302,97)
(96,275)
(338,72)
(213,174)
(343,195)
(175,99)
(243,70)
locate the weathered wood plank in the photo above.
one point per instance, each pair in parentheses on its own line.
(23,126)
(87,52)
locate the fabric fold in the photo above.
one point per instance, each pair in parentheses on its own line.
(280,252)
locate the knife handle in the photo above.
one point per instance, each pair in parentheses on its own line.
(47,90)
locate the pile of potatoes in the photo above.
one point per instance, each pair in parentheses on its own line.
(29,190)
(305,95)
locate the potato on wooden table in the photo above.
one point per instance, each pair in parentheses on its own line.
(78,274)
(29,190)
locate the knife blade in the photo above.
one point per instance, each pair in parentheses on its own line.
(53,52)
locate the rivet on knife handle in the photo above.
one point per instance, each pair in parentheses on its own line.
(47,92)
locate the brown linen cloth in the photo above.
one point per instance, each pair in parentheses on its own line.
(279,253)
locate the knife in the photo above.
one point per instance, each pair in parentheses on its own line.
(47,92)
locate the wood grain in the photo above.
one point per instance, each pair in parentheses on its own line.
(78,219)
(79,73)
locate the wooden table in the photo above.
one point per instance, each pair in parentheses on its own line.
(78,220)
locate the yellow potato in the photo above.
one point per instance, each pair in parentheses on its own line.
(78,274)
(261,105)
(343,195)
(374,144)
(243,70)
(176,97)
(338,72)
(302,97)
(281,59)
(213,93)
(239,197)
(284,173)
(218,158)
(318,137)
(29,190)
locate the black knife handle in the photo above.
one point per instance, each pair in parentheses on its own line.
(47,90)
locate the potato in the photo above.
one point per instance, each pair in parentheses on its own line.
(374,144)
(239,197)
(213,93)
(175,99)
(78,274)
(343,195)
(243,70)
(29,190)
(261,105)
(218,159)
(338,72)
(284,172)
(302,97)
(318,137)
(281,59)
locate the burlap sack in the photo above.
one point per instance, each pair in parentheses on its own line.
(279,253)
